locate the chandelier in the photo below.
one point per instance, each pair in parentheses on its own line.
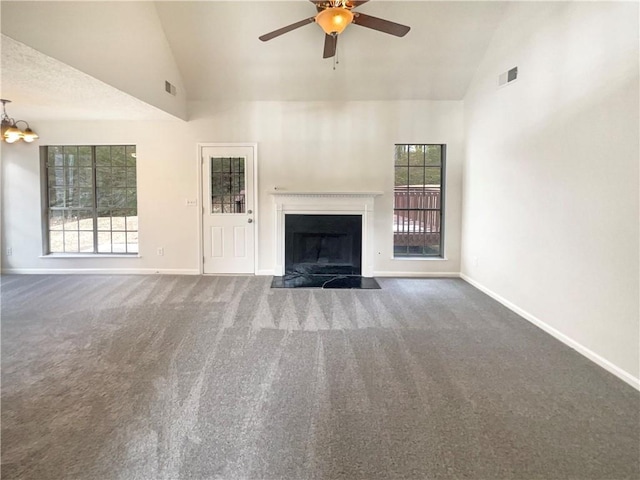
(10,131)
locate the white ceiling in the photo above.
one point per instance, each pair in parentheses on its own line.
(220,57)
(215,45)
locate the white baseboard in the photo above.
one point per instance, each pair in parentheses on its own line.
(417,274)
(265,273)
(590,354)
(100,271)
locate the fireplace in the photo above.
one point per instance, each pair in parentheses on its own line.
(323,244)
(358,205)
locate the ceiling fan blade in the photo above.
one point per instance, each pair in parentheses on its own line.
(330,44)
(288,28)
(380,25)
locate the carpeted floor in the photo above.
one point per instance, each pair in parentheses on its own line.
(163,377)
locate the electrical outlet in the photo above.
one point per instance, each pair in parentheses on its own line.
(9,251)
(191,202)
(160,251)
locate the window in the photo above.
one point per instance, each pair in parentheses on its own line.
(418,214)
(90,199)
(227,185)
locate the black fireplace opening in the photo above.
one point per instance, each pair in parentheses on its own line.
(323,244)
(323,251)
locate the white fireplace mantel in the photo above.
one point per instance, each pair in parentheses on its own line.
(326,203)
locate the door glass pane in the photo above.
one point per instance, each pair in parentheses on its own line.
(227,184)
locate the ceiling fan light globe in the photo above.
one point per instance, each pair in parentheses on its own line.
(334,20)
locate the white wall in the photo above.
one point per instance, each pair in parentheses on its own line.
(134,54)
(301,146)
(166,176)
(342,146)
(551,216)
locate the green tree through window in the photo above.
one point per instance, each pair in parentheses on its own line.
(91,199)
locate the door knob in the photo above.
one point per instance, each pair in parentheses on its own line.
(250,220)
(249,212)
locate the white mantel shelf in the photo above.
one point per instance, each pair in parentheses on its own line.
(325,203)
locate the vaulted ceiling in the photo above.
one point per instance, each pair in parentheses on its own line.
(218,52)
(219,57)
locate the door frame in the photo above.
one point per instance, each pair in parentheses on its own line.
(201,209)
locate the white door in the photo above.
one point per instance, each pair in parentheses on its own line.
(229,203)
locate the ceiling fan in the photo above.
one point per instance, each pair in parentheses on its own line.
(334,16)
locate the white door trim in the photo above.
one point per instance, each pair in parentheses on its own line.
(199,160)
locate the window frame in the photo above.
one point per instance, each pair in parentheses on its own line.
(46,209)
(443,175)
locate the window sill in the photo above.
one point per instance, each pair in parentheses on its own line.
(90,255)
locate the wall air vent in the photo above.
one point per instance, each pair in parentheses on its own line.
(508,77)
(169,88)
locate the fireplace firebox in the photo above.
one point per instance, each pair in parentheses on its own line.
(323,244)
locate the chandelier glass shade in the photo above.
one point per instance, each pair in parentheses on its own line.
(334,20)
(10,132)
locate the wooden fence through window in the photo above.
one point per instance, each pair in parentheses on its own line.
(417,215)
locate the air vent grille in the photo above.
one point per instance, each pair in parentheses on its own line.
(169,88)
(508,77)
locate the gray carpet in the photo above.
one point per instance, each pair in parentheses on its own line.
(162,377)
